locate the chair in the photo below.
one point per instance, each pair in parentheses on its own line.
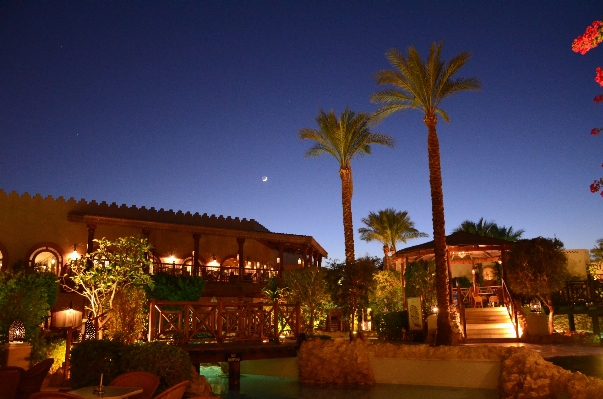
(143,379)
(33,378)
(493,301)
(9,382)
(174,392)
(53,395)
(477,300)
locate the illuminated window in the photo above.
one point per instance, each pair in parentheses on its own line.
(46,259)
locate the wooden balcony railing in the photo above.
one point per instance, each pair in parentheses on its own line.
(219,322)
(222,274)
(581,293)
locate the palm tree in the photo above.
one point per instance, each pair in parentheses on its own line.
(423,85)
(389,227)
(344,138)
(490,229)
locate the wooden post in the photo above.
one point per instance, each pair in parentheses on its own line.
(571,322)
(152,326)
(234,371)
(68,343)
(241,241)
(281,255)
(196,237)
(276,330)
(220,310)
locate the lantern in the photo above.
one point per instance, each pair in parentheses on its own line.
(16,332)
(535,306)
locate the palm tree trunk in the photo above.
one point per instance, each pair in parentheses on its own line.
(387,258)
(345,172)
(444,336)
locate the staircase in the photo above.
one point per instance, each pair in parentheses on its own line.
(489,324)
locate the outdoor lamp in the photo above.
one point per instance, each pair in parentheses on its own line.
(299,261)
(74,254)
(16,332)
(278,260)
(535,306)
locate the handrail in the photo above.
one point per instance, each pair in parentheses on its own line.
(216,273)
(508,301)
(218,322)
(461,304)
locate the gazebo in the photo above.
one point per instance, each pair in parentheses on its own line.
(464,251)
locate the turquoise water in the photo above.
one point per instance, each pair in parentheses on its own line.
(255,387)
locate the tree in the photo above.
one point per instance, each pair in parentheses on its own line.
(308,286)
(114,266)
(490,229)
(596,254)
(344,138)
(419,277)
(389,227)
(350,285)
(387,293)
(424,85)
(582,44)
(538,267)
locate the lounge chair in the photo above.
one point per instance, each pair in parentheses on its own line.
(174,392)
(145,380)
(9,382)
(33,378)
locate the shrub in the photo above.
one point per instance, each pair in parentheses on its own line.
(391,325)
(128,315)
(169,362)
(91,358)
(27,296)
(167,287)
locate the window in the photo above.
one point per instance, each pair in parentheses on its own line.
(46,259)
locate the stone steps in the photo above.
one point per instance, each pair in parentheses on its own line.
(489,324)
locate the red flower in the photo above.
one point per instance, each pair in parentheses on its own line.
(599,76)
(590,39)
(596,131)
(599,98)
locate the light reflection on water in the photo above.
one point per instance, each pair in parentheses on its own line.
(256,387)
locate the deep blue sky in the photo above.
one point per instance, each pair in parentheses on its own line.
(186,105)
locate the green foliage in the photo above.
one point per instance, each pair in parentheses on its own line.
(391,325)
(128,316)
(26,296)
(596,254)
(463,281)
(100,275)
(169,362)
(168,287)
(387,293)
(537,267)
(50,349)
(420,281)
(490,229)
(389,227)
(351,284)
(308,286)
(91,358)
(274,289)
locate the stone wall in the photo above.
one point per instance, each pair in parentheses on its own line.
(524,373)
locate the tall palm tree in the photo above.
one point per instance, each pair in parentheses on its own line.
(389,227)
(344,138)
(424,85)
(490,229)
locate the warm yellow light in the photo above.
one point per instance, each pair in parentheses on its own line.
(278,260)
(299,261)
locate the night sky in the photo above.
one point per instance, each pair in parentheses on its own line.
(187,105)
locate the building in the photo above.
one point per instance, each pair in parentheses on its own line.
(235,256)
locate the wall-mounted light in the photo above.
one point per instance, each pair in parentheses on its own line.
(278,260)
(299,261)
(74,254)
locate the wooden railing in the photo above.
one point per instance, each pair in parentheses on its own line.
(507,300)
(197,322)
(216,273)
(582,293)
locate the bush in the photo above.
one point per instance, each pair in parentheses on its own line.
(167,287)
(27,296)
(91,358)
(169,362)
(129,315)
(391,325)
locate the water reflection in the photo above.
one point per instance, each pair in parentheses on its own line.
(256,387)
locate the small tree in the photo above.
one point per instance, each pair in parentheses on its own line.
(387,293)
(420,281)
(308,286)
(99,276)
(538,267)
(350,285)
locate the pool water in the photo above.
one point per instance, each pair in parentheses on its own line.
(255,387)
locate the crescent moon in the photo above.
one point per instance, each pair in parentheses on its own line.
(265,178)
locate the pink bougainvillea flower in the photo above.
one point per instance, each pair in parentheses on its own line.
(590,39)
(599,98)
(599,76)
(596,131)
(595,187)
